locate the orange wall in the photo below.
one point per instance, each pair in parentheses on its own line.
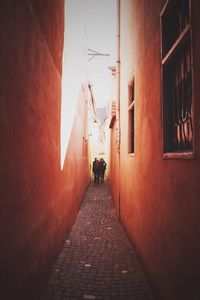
(114,169)
(38,201)
(159,199)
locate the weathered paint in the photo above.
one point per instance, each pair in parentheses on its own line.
(38,201)
(159,199)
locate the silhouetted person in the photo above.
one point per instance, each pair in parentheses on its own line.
(95,170)
(102,169)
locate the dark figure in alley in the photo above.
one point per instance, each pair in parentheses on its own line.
(102,169)
(95,170)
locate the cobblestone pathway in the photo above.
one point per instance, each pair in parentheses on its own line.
(97,260)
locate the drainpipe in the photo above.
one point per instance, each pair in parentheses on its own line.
(118,129)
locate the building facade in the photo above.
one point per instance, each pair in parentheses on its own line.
(156,190)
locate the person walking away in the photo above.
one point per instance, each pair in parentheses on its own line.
(102,169)
(95,170)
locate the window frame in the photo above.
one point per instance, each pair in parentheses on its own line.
(177,45)
(130,110)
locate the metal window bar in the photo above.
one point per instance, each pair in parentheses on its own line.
(182,128)
(174,20)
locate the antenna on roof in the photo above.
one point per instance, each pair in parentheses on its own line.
(94,53)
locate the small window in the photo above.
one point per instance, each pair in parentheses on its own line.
(131,117)
(177,77)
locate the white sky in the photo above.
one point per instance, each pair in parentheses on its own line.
(88,24)
(101,36)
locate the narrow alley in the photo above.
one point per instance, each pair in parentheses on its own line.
(115,82)
(97,260)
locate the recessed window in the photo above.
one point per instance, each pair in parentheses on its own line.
(131,117)
(177,77)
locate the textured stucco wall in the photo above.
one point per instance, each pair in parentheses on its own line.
(114,169)
(159,199)
(38,201)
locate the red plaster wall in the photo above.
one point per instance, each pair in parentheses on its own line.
(114,169)
(46,10)
(38,201)
(159,199)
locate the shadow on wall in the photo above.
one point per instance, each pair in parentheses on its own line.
(38,201)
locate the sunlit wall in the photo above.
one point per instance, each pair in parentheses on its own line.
(74,67)
(88,24)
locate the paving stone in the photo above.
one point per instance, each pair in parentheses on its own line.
(97,260)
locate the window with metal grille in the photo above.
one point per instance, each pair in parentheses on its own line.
(177,77)
(131,114)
